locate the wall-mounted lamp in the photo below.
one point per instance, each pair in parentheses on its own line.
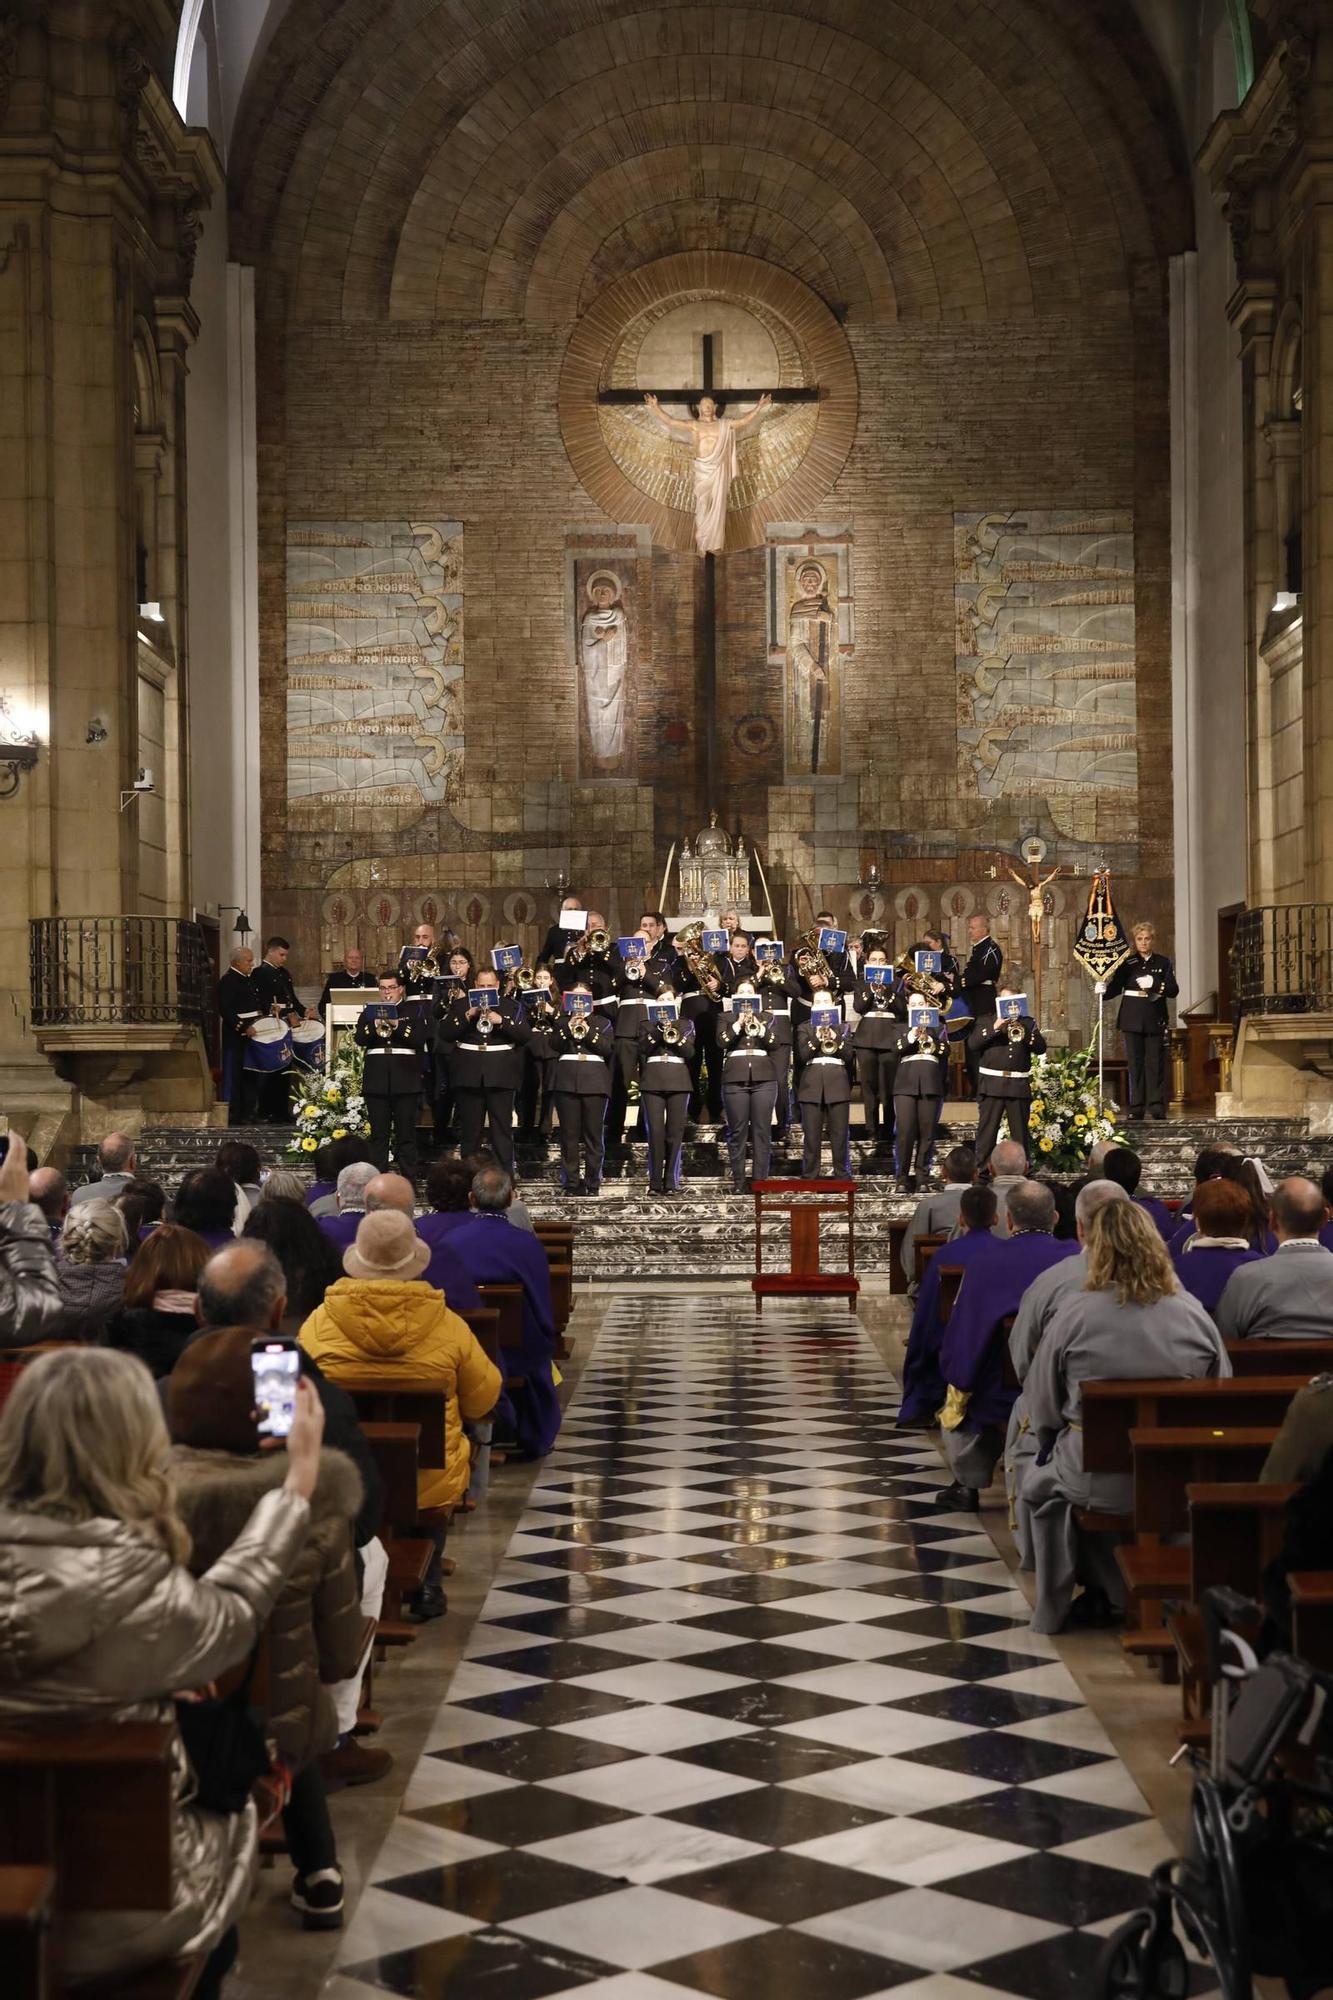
(558,884)
(871,879)
(97,730)
(18,746)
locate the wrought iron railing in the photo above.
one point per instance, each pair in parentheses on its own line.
(116,971)
(1282,959)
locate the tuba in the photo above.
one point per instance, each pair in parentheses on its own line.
(810,961)
(702,964)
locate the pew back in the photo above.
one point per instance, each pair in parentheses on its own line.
(1113,1409)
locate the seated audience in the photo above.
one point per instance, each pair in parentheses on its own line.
(494,1254)
(1326,1189)
(1220,1243)
(1096,1156)
(1288,1296)
(1066,1213)
(1130,1320)
(91,1269)
(936,1214)
(103,1622)
(284,1184)
(314,1635)
(449,1192)
(977,1403)
(143,1204)
(1251,1176)
(349,1203)
(206,1202)
(1212,1163)
(115,1161)
(243,1167)
(923,1383)
(49,1190)
(1122,1165)
(379,1321)
(330,1159)
(31,1305)
(1036,1309)
(1008,1167)
(159,1313)
(1304,1442)
(516,1215)
(310,1262)
(445,1271)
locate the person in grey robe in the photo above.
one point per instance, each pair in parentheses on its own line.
(1130,1321)
(1008,1167)
(1288,1296)
(1037,1308)
(936,1214)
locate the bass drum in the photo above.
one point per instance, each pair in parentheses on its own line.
(958,1018)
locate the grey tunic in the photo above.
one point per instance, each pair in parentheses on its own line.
(1040,1303)
(1288,1296)
(1093,1338)
(936,1215)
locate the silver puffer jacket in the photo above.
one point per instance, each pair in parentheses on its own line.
(98,1624)
(31,1305)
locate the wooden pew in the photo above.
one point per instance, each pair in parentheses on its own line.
(1166,1463)
(557,1239)
(926,1246)
(1236,1529)
(507,1300)
(396,1449)
(85,1825)
(1114,1409)
(485,1324)
(1312,1616)
(898,1227)
(1281,1357)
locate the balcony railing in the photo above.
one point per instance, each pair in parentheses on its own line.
(120,972)
(1282,959)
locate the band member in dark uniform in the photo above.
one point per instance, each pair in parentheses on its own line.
(637,982)
(541,1006)
(701,1006)
(950,975)
(664,1083)
(1143,983)
(843,964)
(918,1093)
(824,1091)
(739,963)
(484,1050)
(238,1004)
(583,1044)
(392,1078)
(587,961)
(875,1040)
(1004,1079)
(754,1067)
(352,972)
(775,983)
(277,996)
(450,989)
(557,940)
(977,983)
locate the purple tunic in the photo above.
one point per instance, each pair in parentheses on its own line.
(495,1254)
(1204,1271)
(1159,1213)
(971,1358)
(923,1384)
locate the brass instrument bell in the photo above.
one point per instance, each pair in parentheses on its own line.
(671,1034)
(827,1039)
(578,1027)
(1015,1030)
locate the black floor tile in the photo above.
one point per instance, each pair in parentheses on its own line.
(786,1965)
(1033,1819)
(776,1815)
(762,1659)
(494,1888)
(945,1622)
(521,1816)
(780,1888)
(571,1621)
(774,1760)
(562,1660)
(535,1753)
(1059,1968)
(981,1706)
(764,1704)
(572,1589)
(752,1621)
(955,1661)
(1009,1760)
(547,1703)
(1057,1889)
(476,1966)
(760,1589)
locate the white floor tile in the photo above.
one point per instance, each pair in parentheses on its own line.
(658,1680)
(911,1851)
(650,1784)
(866,1681)
(655,1730)
(384,1923)
(924,1927)
(646,1849)
(638,1927)
(894,1785)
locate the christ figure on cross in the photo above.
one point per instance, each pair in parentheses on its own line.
(712,438)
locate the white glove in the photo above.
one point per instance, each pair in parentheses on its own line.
(1100,989)
(1144,981)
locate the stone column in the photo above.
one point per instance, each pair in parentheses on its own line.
(100,190)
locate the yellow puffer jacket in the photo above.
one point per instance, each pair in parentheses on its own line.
(393,1328)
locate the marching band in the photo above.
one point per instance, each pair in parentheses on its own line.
(713,1025)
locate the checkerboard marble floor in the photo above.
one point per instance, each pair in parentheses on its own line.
(746,1715)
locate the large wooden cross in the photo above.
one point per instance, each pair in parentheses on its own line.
(706,615)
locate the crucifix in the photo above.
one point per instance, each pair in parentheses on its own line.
(712,439)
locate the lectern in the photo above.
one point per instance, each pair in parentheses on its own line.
(807,1203)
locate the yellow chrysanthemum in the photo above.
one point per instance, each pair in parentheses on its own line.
(331,1095)
(310,1144)
(1045,1145)
(1080,1119)
(310,1111)
(341,1132)
(1038,1106)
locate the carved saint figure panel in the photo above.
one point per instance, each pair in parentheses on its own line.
(604,658)
(810,632)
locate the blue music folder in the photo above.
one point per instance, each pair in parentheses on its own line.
(769,951)
(879,975)
(929,962)
(507,958)
(831,940)
(632,947)
(1012,1008)
(825,1017)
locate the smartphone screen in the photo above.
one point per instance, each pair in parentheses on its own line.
(275,1364)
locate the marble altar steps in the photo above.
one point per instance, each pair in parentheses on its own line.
(705,1232)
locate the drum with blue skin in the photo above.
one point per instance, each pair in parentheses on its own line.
(269,1049)
(308,1044)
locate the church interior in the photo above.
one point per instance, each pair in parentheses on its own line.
(794,531)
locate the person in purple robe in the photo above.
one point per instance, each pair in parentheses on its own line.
(977,1403)
(206,1203)
(1122,1165)
(1219,1243)
(493,1253)
(923,1384)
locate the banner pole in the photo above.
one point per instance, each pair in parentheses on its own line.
(1101,1049)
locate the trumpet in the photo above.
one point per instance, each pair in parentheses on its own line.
(670,1034)
(771,973)
(827,1039)
(484,1023)
(593,944)
(384,1026)
(921,1038)
(751,1026)
(634,969)
(1015,1030)
(578,1027)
